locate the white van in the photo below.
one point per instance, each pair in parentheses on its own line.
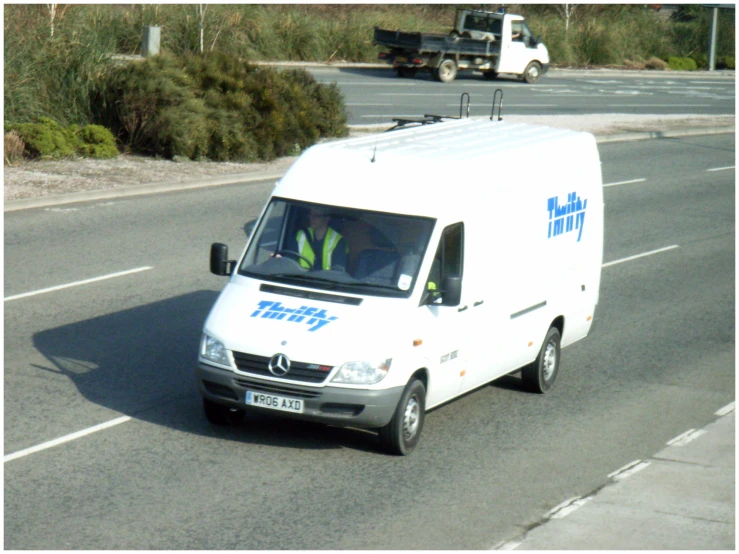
(461,251)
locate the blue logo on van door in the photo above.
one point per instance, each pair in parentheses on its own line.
(305,314)
(567,217)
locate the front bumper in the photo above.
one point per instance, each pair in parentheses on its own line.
(369,409)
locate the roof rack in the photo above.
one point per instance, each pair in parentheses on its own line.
(429,119)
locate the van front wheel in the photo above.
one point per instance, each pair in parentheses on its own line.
(540,375)
(401,435)
(532,73)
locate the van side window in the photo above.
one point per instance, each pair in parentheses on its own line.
(449,256)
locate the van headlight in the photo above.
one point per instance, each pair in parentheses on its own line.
(362,373)
(214,351)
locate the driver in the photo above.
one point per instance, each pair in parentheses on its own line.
(321,245)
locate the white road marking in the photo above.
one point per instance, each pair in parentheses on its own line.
(567,507)
(624,183)
(665,249)
(686,437)
(66,438)
(721,168)
(726,409)
(77,283)
(628,470)
(510,545)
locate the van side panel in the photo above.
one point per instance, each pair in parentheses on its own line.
(534,253)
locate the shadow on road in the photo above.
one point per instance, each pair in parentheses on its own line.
(425,75)
(140,362)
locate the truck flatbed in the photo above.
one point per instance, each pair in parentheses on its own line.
(434,42)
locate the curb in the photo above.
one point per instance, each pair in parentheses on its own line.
(137,190)
(157,188)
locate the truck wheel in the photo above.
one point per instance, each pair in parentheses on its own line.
(218,414)
(540,375)
(447,71)
(489,75)
(401,435)
(532,72)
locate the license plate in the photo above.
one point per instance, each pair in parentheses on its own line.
(274,402)
(401,59)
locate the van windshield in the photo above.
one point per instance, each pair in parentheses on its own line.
(335,248)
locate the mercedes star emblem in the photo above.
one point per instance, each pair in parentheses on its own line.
(279,365)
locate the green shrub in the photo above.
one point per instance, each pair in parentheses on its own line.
(726,62)
(218,107)
(681,64)
(47,139)
(97,142)
(701,60)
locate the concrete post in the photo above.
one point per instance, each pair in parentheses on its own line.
(712,43)
(150,41)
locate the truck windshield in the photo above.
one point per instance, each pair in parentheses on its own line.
(335,248)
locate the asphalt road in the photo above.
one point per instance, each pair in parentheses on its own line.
(661,360)
(377,95)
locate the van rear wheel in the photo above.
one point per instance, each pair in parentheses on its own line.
(540,375)
(401,435)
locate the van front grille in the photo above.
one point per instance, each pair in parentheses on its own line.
(276,388)
(299,371)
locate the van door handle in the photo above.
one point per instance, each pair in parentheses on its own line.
(478,303)
(463,308)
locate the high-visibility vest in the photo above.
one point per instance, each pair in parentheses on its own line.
(305,249)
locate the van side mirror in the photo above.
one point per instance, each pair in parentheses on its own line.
(219,262)
(451,290)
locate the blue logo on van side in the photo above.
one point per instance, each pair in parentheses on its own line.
(567,217)
(305,314)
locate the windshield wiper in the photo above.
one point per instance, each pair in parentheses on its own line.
(331,284)
(303,277)
(376,286)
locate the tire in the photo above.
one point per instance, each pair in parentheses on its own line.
(489,75)
(401,435)
(540,375)
(221,415)
(447,70)
(532,73)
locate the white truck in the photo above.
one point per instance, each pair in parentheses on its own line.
(492,43)
(469,249)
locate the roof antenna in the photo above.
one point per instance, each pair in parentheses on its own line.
(374,154)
